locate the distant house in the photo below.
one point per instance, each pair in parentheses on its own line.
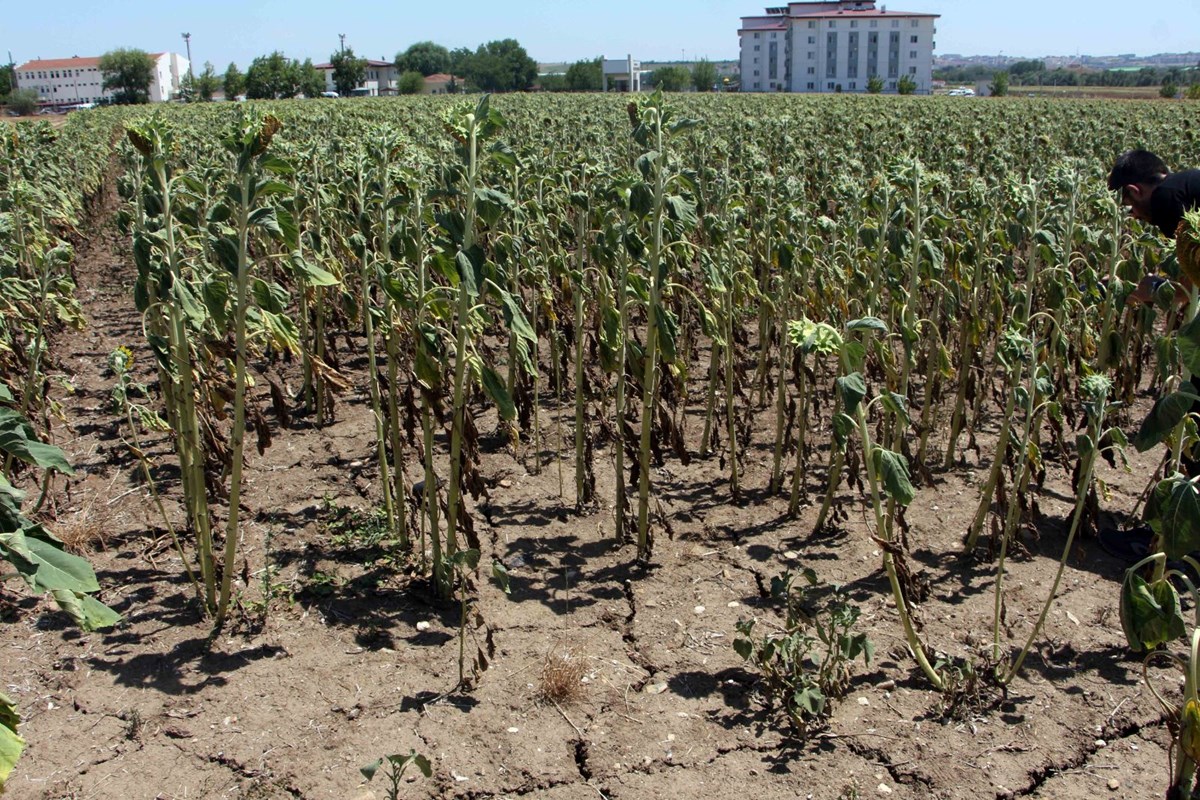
(379,79)
(442,83)
(76,80)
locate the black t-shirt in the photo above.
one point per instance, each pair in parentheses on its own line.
(1179,192)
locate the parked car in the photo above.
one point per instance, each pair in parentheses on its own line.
(330,94)
(962,92)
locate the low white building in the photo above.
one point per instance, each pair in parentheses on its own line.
(72,81)
(836,46)
(380,78)
(622,74)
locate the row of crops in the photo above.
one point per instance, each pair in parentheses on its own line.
(872,280)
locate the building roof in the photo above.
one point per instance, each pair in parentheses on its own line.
(764,23)
(76,62)
(777,17)
(859,13)
(371,62)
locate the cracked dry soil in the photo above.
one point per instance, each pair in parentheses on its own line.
(291,703)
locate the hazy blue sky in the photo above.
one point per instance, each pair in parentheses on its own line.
(558,30)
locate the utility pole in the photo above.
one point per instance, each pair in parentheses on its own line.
(342,36)
(187,39)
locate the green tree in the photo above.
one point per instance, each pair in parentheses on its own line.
(501,66)
(999,86)
(874,85)
(270,78)
(23,101)
(1169,91)
(349,71)
(234,82)
(1192,92)
(906,85)
(427,58)
(1026,67)
(310,79)
(670,79)
(128,73)
(208,83)
(8,78)
(553,83)
(583,76)
(411,82)
(275,77)
(704,75)
(460,58)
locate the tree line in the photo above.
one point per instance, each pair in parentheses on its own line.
(496,66)
(1033,72)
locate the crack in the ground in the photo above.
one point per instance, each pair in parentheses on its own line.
(633,647)
(1040,777)
(264,776)
(904,777)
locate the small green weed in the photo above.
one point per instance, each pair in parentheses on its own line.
(810,661)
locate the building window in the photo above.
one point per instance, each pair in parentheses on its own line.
(831,45)
(916,23)
(811,55)
(895,23)
(812,23)
(811,86)
(874,23)
(812,70)
(756,36)
(853,23)
(829,86)
(912,54)
(812,40)
(833,23)
(853,85)
(914,39)
(756,47)
(756,73)
(891,84)
(912,70)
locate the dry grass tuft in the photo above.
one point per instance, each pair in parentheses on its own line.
(85,531)
(562,677)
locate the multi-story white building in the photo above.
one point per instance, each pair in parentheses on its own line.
(380,78)
(70,81)
(836,46)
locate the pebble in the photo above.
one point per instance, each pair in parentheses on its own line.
(1101,743)
(733,604)
(887,686)
(655,688)
(699,609)
(1113,784)
(791,554)
(422,625)
(514,730)
(885,789)
(506,484)
(862,701)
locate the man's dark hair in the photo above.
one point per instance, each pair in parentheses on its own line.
(1137,166)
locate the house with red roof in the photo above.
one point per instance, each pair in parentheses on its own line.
(78,80)
(836,46)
